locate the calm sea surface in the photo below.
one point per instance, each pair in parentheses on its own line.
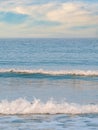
(48,84)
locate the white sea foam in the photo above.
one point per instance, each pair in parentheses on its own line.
(22,106)
(53,73)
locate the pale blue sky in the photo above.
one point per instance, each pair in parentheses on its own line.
(49,18)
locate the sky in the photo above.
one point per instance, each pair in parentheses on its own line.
(48,18)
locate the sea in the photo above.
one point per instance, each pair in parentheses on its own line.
(49,84)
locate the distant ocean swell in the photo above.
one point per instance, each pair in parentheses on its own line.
(45,73)
(22,106)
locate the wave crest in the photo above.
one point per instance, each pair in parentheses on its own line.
(52,73)
(22,106)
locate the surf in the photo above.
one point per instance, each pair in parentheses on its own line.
(53,73)
(22,106)
(40,73)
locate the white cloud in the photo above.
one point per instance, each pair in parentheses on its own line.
(73,13)
(68,14)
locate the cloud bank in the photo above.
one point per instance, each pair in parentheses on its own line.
(48,19)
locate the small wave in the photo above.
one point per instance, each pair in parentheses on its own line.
(52,73)
(22,106)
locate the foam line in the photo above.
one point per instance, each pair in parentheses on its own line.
(53,73)
(22,106)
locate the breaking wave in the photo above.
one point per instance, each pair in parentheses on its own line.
(50,73)
(22,106)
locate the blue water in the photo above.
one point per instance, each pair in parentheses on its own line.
(49,54)
(48,84)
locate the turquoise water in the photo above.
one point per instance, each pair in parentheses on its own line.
(48,84)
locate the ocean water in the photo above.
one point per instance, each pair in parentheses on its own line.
(49,84)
